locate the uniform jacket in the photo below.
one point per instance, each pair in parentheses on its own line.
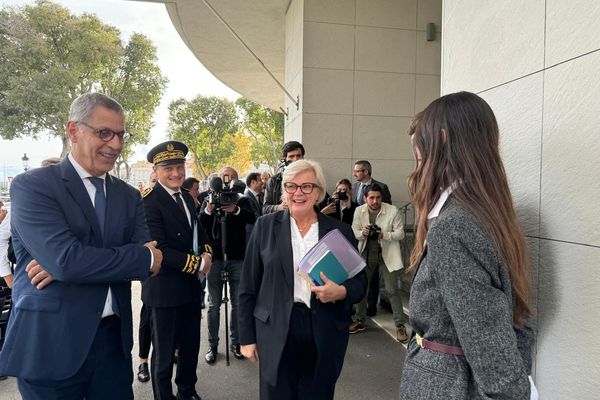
(53,221)
(461,296)
(266,297)
(169,226)
(390,221)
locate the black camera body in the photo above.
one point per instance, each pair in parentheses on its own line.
(221,192)
(342,195)
(374,231)
(337,196)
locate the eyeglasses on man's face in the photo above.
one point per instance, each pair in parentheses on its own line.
(306,188)
(356,171)
(105,134)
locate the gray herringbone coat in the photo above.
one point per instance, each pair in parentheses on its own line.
(461,296)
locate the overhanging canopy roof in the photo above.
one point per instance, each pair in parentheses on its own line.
(260,24)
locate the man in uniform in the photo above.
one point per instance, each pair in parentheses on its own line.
(174,295)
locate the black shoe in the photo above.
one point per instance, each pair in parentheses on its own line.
(143,375)
(195,396)
(211,355)
(235,350)
(3,377)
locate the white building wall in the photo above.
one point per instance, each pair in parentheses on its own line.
(362,68)
(536,62)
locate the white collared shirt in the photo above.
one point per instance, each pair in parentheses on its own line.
(435,211)
(300,246)
(4,236)
(172,194)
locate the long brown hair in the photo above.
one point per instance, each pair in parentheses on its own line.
(457,138)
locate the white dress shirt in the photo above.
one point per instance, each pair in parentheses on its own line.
(4,236)
(172,194)
(300,246)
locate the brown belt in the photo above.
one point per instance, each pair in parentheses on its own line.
(441,348)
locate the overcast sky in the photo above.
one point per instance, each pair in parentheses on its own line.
(187,77)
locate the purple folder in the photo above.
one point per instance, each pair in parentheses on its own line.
(335,242)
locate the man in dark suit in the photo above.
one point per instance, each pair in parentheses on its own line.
(362,172)
(255,195)
(254,191)
(174,295)
(70,333)
(237,215)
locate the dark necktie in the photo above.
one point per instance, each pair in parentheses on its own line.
(259,198)
(100,207)
(99,201)
(180,203)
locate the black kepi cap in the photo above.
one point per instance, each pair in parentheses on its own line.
(170,152)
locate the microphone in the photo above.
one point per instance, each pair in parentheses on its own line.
(216,184)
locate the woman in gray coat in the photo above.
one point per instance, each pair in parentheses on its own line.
(470,296)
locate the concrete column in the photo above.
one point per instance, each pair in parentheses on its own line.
(362,68)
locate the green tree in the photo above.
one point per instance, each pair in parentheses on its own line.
(48,57)
(208,126)
(265,127)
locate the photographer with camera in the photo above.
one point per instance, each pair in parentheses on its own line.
(290,152)
(225,217)
(378,226)
(341,205)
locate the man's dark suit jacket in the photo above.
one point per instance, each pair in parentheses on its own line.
(266,297)
(386,196)
(169,226)
(54,222)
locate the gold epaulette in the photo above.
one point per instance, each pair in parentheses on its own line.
(147,191)
(192,263)
(208,249)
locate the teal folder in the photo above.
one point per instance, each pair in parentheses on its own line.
(331,267)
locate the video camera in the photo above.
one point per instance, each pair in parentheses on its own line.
(374,231)
(221,192)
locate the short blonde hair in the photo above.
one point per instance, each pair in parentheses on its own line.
(300,166)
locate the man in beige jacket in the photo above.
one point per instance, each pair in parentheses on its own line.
(379,228)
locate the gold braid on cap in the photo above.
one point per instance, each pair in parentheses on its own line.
(168,155)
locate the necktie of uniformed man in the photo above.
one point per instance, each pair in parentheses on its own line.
(180,203)
(99,201)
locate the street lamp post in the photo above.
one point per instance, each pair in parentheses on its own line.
(25,161)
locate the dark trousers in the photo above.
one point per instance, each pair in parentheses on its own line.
(295,378)
(105,374)
(145,332)
(215,298)
(172,327)
(373,292)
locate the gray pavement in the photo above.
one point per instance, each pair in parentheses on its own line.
(372,366)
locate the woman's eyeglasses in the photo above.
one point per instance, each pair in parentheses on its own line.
(305,188)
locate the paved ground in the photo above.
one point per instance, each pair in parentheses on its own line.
(371,370)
